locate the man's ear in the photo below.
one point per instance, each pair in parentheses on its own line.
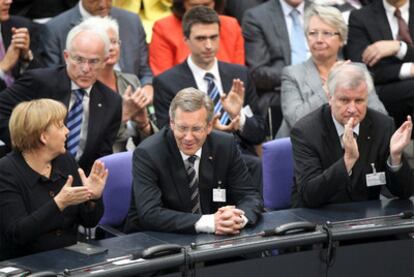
(66,55)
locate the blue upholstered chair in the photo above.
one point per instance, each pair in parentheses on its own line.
(277,173)
(117,192)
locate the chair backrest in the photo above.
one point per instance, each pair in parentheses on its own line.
(118,189)
(277,173)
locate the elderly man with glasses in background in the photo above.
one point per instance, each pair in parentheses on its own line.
(94,111)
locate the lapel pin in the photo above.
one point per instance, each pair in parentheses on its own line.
(210,157)
(368,137)
(219,182)
(99,105)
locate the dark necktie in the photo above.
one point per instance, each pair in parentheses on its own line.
(403,31)
(74,122)
(214,94)
(193,185)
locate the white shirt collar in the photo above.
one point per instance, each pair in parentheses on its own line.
(286,8)
(340,129)
(74,86)
(185,157)
(199,72)
(391,9)
(84,13)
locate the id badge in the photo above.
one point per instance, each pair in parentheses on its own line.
(219,195)
(375,178)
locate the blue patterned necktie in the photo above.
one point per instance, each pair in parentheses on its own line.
(297,39)
(214,94)
(193,185)
(74,122)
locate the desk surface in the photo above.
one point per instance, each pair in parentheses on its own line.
(58,260)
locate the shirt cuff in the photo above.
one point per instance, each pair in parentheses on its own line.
(2,74)
(403,50)
(205,224)
(245,221)
(405,71)
(393,168)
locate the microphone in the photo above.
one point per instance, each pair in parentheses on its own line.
(403,215)
(284,229)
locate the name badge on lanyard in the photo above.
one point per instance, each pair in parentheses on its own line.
(375,178)
(219,194)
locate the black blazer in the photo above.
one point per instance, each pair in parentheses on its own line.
(368,25)
(105,108)
(161,198)
(30,220)
(167,84)
(35,30)
(320,173)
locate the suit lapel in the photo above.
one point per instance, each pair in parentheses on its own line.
(312,77)
(206,177)
(6,33)
(277,19)
(188,77)
(364,145)
(226,79)
(411,19)
(330,136)
(96,112)
(380,19)
(178,172)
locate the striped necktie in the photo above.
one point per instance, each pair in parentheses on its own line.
(297,39)
(74,122)
(193,185)
(214,94)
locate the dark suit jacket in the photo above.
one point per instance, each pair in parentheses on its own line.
(368,25)
(37,8)
(134,52)
(161,198)
(167,84)
(267,45)
(236,8)
(35,30)
(320,173)
(105,108)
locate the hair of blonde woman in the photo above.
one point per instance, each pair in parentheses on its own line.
(30,119)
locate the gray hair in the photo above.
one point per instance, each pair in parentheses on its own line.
(349,76)
(106,23)
(191,100)
(88,25)
(331,16)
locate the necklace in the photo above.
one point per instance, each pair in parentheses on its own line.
(42,170)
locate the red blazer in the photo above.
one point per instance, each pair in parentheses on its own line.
(167,47)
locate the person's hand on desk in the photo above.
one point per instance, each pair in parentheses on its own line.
(351,152)
(96,180)
(399,140)
(228,220)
